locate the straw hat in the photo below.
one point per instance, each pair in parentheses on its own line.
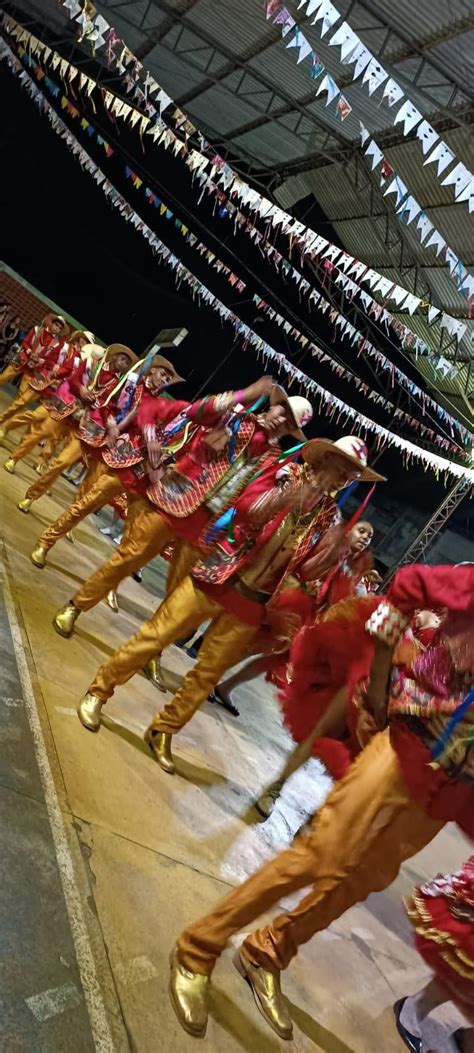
(92,351)
(300,409)
(120,349)
(159,360)
(51,317)
(351,447)
(89,337)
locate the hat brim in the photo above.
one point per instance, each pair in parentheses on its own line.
(160,360)
(316,448)
(52,317)
(121,349)
(279,397)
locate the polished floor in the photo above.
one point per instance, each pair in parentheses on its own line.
(104,858)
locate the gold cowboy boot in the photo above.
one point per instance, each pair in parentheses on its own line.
(89,710)
(267,994)
(65,619)
(189,994)
(160,744)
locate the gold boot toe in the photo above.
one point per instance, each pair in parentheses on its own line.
(25,505)
(189,994)
(267,994)
(89,710)
(38,556)
(153,673)
(65,620)
(111,601)
(160,745)
(9,466)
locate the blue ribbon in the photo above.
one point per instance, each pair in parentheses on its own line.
(443,741)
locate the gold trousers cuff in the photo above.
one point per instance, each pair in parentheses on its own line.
(368,827)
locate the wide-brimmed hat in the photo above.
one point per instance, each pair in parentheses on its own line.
(52,317)
(159,360)
(300,410)
(88,337)
(121,349)
(351,447)
(92,350)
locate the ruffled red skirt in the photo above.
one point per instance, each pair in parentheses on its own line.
(442,913)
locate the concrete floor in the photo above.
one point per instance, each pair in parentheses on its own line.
(95,897)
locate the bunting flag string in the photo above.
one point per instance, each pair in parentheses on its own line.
(335,262)
(374,76)
(121,59)
(345,328)
(334,407)
(406,205)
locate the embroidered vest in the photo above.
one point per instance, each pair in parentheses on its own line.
(180,495)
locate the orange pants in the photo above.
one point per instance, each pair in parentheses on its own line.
(42,428)
(69,454)
(225,642)
(358,841)
(24,397)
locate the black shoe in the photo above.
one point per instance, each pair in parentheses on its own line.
(138,576)
(412,1043)
(216,697)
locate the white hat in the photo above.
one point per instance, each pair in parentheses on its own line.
(301,410)
(352,448)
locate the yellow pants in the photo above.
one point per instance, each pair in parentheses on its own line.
(69,454)
(73,514)
(225,641)
(27,417)
(358,841)
(8,374)
(42,428)
(24,397)
(145,535)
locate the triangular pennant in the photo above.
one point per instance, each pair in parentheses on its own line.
(361,56)
(373,151)
(424,225)
(442,155)
(427,136)
(410,116)
(374,75)
(346,39)
(409,209)
(437,240)
(397,186)
(468,194)
(459,177)
(330,87)
(392,92)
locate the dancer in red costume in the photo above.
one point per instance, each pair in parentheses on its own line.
(39,352)
(412,778)
(440,1017)
(342,566)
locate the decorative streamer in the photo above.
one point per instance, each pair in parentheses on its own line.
(197,162)
(346,329)
(332,405)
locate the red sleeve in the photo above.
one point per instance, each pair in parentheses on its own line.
(417,586)
(208,411)
(26,345)
(75,379)
(160,410)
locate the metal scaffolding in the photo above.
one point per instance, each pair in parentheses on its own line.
(415,552)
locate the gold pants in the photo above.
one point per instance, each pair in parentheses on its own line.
(74,513)
(183,610)
(24,397)
(27,417)
(69,454)
(10,373)
(145,535)
(358,841)
(41,429)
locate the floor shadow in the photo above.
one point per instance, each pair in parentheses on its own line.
(95,641)
(240,1026)
(327,1040)
(127,735)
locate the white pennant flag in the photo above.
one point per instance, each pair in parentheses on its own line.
(346,39)
(134,117)
(398,294)
(410,116)
(468,194)
(328,15)
(374,75)
(373,151)
(361,56)
(437,240)
(383,286)
(299,41)
(459,177)
(452,260)
(392,92)
(433,313)
(427,136)
(424,225)
(410,208)
(328,85)
(454,326)
(442,155)
(364,133)
(397,186)
(411,303)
